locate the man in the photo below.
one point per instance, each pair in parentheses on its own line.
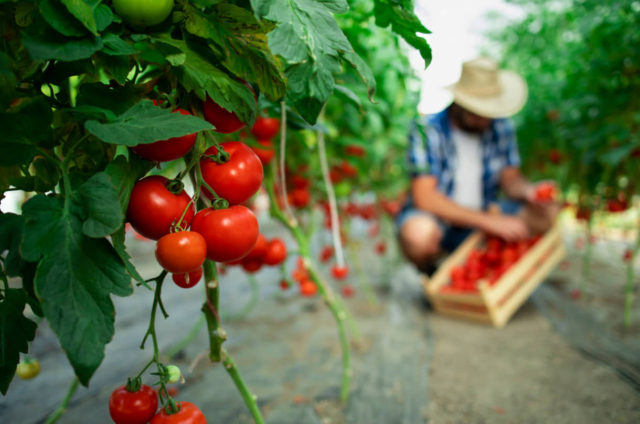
(460,161)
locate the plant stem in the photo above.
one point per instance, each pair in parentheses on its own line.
(283,150)
(217,336)
(62,408)
(249,399)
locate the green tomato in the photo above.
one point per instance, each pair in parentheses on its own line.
(142,13)
(28,369)
(173,373)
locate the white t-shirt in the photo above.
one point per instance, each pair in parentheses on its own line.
(467,189)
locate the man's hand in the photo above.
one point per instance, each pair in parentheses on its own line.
(509,228)
(543,193)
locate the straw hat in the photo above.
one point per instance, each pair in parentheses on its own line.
(488,91)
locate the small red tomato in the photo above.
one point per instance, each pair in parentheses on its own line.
(300,197)
(627,256)
(127,407)
(308,288)
(381,248)
(335,176)
(339,272)
(284,284)
(258,251)
(391,207)
(509,255)
(348,170)
(181,252)
(265,154)
(251,265)
(347,290)
(583,214)
(189,279)
(276,252)
(188,414)
(367,212)
(230,233)
(298,181)
(237,179)
(326,253)
(265,128)
(545,192)
(458,273)
(153,209)
(224,121)
(166,150)
(555,156)
(355,150)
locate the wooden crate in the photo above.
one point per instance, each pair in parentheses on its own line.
(495,304)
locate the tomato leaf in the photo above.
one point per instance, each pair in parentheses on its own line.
(43,43)
(60,19)
(235,29)
(10,236)
(124,174)
(117,239)
(99,198)
(145,123)
(16,332)
(74,279)
(23,127)
(404,22)
(83,11)
(116,46)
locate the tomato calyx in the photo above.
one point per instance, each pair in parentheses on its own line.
(133,384)
(174,186)
(172,407)
(220,157)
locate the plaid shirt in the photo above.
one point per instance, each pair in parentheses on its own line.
(432,152)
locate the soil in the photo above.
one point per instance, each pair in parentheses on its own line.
(410,365)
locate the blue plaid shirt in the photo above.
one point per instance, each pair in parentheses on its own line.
(432,152)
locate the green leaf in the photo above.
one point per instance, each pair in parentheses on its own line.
(23,127)
(16,332)
(235,29)
(145,123)
(42,43)
(404,22)
(60,19)
(117,239)
(116,67)
(74,280)
(615,156)
(99,198)
(115,99)
(10,237)
(83,11)
(124,175)
(363,70)
(116,46)
(8,81)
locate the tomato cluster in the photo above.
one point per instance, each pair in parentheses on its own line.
(265,252)
(305,284)
(487,263)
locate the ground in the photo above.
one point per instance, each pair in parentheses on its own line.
(559,360)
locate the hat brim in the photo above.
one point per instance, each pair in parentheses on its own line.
(512,97)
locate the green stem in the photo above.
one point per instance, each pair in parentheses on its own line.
(249,399)
(217,336)
(62,408)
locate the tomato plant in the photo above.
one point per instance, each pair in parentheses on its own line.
(133,407)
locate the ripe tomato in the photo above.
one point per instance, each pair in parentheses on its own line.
(381,248)
(181,252)
(276,252)
(347,290)
(555,156)
(545,192)
(258,251)
(141,13)
(237,179)
(189,279)
(308,288)
(28,369)
(355,150)
(224,121)
(391,207)
(188,414)
(166,150)
(326,253)
(265,128)
(298,181)
(627,256)
(300,197)
(153,208)
(339,272)
(127,407)
(265,155)
(251,265)
(230,233)
(284,284)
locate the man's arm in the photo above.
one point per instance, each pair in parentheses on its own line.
(427,197)
(515,185)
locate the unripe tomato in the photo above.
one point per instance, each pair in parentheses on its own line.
(173,374)
(339,272)
(237,179)
(28,369)
(265,128)
(230,233)
(188,414)
(166,150)
(142,13)
(187,280)
(276,252)
(224,121)
(153,208)
(127,407)
(266,154)
(181,252)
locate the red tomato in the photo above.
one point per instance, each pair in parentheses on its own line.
(347,290)
(181,252)
(166,150)
(355,150)
(392,207)
(265,128)
(153,208)
(615,206)
(188,414)
(224,121)
(335,176)
(284,284)
(190,279)
(627,256)
(381,248)
(127,407)
(458,273)
(276,252)
(251,265)
(555,156)
(368,212)
(258,251)
(339,272)
(300,197)
(265,155)
(545,192)
(299,181)
(326,253)
(348,170)
(230,233)
(308,288)
(237,179)
(583,213)
(509,255)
